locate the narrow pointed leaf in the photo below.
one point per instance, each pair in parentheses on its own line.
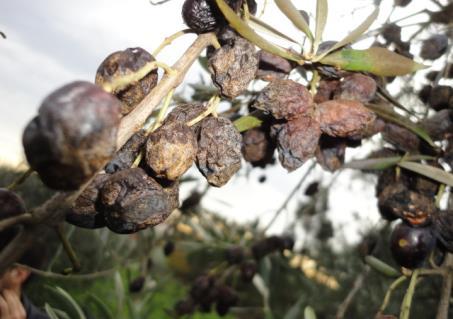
(432,172)
(382,267)
(50,311)
(321,19)
(248,33)
(247,122)
(390,115)
(291,12)
(67,303)
(381,163)
(255,22)
(353,36)
(379,61)
(309,313)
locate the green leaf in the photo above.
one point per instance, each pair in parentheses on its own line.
(247,122)
(309,313)
(291,12)
(101,310)
(432,172)
(67,303)
(254,21)
(379,61)
(353,36)
(381,163)
(244,29)
(321,19)
(295,310)
(50,311)
(390,115)
(382,267)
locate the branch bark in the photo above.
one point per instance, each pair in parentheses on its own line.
(53,211)
(444,303)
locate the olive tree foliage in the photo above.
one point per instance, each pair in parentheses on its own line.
(109,159)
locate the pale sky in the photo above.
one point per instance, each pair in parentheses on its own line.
(53,42)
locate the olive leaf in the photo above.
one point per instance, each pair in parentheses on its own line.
(309,313)
(379,61)
(291,12)
(321,19)
(389,114)
(381,163)
(248,33)
(353,36)
(432,172)
(382,267)
(50,311)
(247,122)
(254,21)
(66,302)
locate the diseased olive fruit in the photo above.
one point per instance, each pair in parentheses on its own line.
(434,47)
(131,201)
(126,156)
(439,97)
(234,255)
(10,204)
(171,150)
(343,118)
(73,136)
(285,99)
(137,284)
(297,141)
(443,229)
(330,152)
(85,211)
(401,138)
(356,87)
(411,246)
(124,63)
(226,298)
(204,16)
(169,248)
(184,113)
(326,90)
(184,307)
(272,67)
(233,67)
(257,147)
(248,270)
(219,150)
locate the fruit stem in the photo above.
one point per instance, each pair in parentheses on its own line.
(168,40)
(407,301)
(68,248)
(395,284)
(21,179)
(440,194)
(444,303)
(211,109)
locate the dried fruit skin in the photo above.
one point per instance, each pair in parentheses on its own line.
(125,157)
(171,150)
(185,113)
(85,212)
(257,147)
(411,246)
(401,138)
(10,204)
(439,97)
(285,99)
(204,16)
(73,136)
(123,63)
(131,201)
(233,67)
(434,47)
(343,118)
(413,207)
(297,141)
(326,90)
(219,150)
(356,87)
(271,66)
(330,153)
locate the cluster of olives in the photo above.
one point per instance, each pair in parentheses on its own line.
(218,288)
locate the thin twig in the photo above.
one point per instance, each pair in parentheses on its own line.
(444,303)
(389,293)
(53,275)
(168,40)
(68,249)
(358,284)
(22,178)
(407,301)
